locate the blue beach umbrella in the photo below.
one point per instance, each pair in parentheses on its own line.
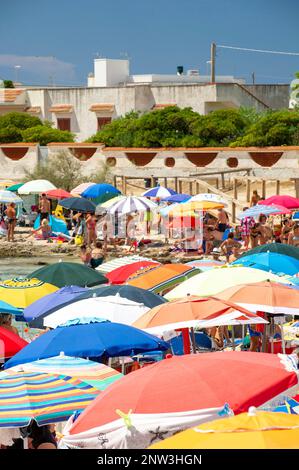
(9,309)
(256,211)
(270,261)
(177,198)
(101,192)
(94,340)
(79,204)
(50,302)
(159,192)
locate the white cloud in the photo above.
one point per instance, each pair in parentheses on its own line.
(39,67)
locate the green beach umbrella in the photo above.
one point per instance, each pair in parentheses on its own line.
(280,248)
(15,187)
(66,274)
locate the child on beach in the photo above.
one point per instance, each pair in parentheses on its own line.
(230,247)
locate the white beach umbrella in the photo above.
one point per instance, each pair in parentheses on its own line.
(6,197)
(36,187)
(131,204)
(113,307)
(208,197)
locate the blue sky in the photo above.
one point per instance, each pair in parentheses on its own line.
(55,41)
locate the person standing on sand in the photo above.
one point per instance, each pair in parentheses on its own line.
(91,223)
(246,224)
(223,220)
(11,222)
(255,198)
(44,207)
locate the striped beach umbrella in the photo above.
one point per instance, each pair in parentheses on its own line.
(7,197)
(131,204)
(159,192)
(47,398)
(120,262)
(97,375)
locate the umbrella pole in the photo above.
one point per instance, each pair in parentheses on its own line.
(283,341)
(123,365)
(243,331)
(193,340)
(233,338)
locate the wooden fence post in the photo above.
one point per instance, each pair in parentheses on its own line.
(235,186)
(222,181)
(264,188)
(248,190)
(277,187)
(124,185)
(233,212)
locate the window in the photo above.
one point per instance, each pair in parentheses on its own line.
(64,124)
(102,121)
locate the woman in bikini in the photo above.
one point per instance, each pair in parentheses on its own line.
(285,232)
(91,223)
(294,236)
(11,221)
(255,235)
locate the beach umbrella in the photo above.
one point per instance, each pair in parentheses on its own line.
(93,373)
(63,274)
(58,194)
(14,187)
(269,261)
(94,340)
(112,201)
(131,204)
(101,192)
(36,187)
(265,296)
(159,192)
(22,292)
(158,278)
(10,309)
(113,308)
(177,198)
(205,264)
(214,281)
(280,248)
(193,312)
(6,183)
(7,197)
(46,398)
(283,200)
(253,430)
(115,263)
(79,204)
(120,275)
(10,343)
(134,294)
(78,190)
(177,393)
(190,206)
(49,302)
(208,197)
(100,210)
(256,211)
(290,406)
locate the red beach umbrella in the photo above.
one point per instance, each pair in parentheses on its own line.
(120,275)
(10,343)
(58,194)
(282,200)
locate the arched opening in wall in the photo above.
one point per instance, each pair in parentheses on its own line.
(232,162)
(265,159)
(201,158)
(140,159)
(169,162)
(14,153)
(83,153)
(111,161)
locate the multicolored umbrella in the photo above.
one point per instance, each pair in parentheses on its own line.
(214,281)
(205,264)
(36,187)
(180,392)
(112,201)
(283,200)
(113,308)
(280,248)
(252,430)
(271,262)
(101,192)
(49,302)
(22,292)
(190,206)
(92,340)
(79,204)
(157,279)
(7,197)
(95,374)
(78,190)
(131,204)
(120,262)
(120,275)
(10,343)
(14,187)
(265,296)
(63,274)
(264,209)
(195,312)
(46,398)
(58,194)
(208,197)
(159,192)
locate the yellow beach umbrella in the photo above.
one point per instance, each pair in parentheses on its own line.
(252,430)
(187,207)
(217,279)
(23,292)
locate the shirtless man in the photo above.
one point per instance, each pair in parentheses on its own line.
(44,207)
(11,223)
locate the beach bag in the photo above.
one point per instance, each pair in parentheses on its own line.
(79,240)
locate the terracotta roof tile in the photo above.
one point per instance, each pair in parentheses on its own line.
(108,107)
(61,108)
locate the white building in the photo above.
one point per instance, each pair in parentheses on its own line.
(112,92)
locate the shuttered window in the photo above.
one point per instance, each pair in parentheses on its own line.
(64,124)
